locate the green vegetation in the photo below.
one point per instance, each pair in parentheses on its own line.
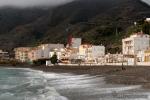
(54,59)
(141,25)
(96,21)
(146,28)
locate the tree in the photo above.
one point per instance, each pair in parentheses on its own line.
(146,28)
(54,59)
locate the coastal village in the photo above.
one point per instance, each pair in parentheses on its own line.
(135,51)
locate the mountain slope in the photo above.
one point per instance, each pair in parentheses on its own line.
(96,21)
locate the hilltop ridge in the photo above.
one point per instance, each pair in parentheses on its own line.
(96,21)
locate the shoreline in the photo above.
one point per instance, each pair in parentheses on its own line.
(127,75)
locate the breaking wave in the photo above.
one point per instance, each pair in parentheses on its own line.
(27,84)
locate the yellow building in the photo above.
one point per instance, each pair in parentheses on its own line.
(147,56)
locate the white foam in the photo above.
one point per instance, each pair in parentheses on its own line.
(47,84)
(6,86)
(48,93)
(32,86)
(118,89)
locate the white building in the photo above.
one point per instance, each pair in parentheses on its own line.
(98,51)
(4,55)
(141,56)
(44,49)
(85,51)
(135,43)
(147,20)
(113,58)
(76,42)
(90,52)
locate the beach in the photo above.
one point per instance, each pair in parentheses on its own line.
(126,75)
(28,82)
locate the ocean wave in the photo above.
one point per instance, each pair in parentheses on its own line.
(39,85)
(29,85)
(31,91)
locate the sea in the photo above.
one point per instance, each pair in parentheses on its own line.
(28,84)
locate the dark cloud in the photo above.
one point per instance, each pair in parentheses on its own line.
(30,3)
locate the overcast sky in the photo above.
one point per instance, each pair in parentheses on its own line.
(147,1)
(30,3)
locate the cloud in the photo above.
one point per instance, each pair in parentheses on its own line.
(146,1)
(30,3)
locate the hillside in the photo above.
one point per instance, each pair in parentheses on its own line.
(96,21)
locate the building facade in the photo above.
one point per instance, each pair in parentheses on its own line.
(21,54)
(43,51)
(76,42)
(135,43)
(4,55)
(98,51)
(34,54)
(147,56)
(147,20)
(91,53)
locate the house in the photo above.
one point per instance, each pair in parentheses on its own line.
(135,43)
(147,20)
(34,54)
(85,51)
(114,58)
(42,51)
(65,55)
(91,53)
(76,42)
(98,51)
(134,46)
(4,56)
(57,52)
(21,54)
